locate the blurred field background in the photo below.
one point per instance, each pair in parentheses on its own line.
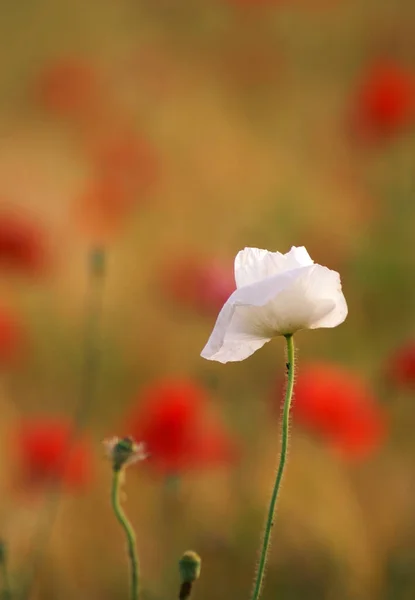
(175,134)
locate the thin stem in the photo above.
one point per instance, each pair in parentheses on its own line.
(283,457)
(6,590)
(128,530)
(93,310)
(185,590)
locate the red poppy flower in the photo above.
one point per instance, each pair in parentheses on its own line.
(11,337)
(69,87)
(173,420)
(197,284)
(47,453)
(337,405)
(385,101)
(401,365)
(22,244)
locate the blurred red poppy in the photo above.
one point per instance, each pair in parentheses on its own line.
(69,87)
(385,100)
(401,365)
(48,453)
(23,247)
(125,171)
(336,404)
(11,337)
(173,420)
(102,208)
(127,157)
(198,284)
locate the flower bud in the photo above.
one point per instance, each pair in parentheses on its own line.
(189,568)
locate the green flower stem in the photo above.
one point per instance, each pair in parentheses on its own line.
(6,590)
(283,457)
(97,259)
(128,530)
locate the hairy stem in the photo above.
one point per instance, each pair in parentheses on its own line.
(259,579)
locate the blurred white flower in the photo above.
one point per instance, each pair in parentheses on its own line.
(277,294)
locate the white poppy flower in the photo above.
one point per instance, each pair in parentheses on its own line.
(277,294)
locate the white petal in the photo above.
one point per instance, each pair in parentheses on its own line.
(327,284)
(254,264)
(231,338)
(302,298)
(250,318)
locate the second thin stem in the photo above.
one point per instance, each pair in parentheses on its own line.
(283,457)
(93,311)
(128,530)
(5,593)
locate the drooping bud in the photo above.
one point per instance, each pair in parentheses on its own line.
(189,568)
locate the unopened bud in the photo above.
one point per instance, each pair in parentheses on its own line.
(189,568)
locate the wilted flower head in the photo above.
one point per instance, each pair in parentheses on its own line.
(385,102)
(197,284)
(124,451)
(174,421)
(47,452)
(337,405)
(277,294)
(22,244)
